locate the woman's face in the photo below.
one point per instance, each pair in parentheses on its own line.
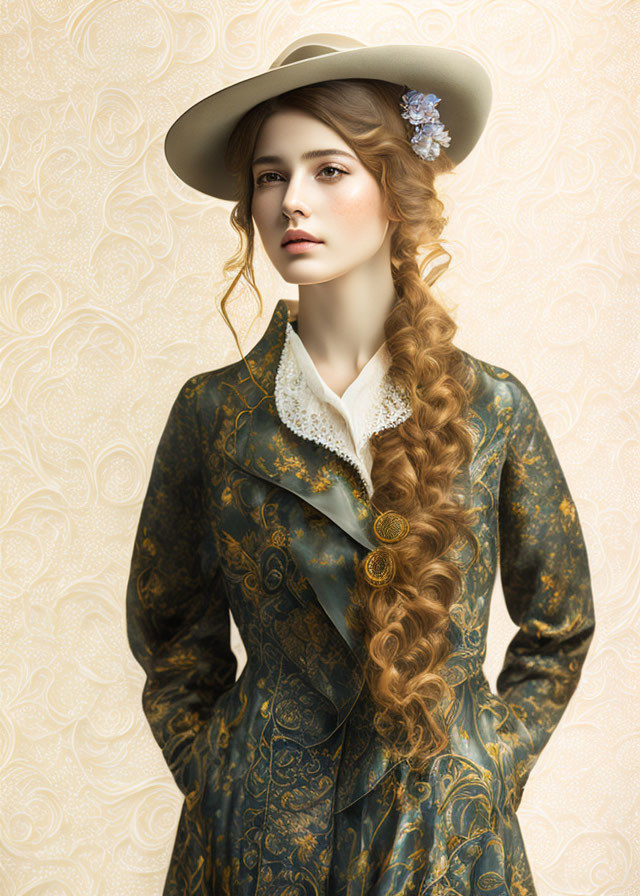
(330,195)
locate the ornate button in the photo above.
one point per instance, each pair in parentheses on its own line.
(390,526)
(379,567)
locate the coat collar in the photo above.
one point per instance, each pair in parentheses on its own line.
(260,443)
(344,425)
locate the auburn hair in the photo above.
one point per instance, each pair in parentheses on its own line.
(416,465)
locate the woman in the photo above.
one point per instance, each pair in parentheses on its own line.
(346,490)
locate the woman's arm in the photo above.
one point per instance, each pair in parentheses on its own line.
(177,615)
(545,579)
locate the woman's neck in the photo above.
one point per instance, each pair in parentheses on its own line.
(343,359)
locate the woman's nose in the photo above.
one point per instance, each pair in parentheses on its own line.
(293,200)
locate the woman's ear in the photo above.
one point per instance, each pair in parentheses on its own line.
(394,223)
(390,211)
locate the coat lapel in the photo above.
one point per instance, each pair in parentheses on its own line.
(261,444)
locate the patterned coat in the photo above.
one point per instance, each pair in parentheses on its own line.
(288,790)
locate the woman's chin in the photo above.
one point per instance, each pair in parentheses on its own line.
(301,279)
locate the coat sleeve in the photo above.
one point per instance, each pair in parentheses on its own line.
(178,624)
(545,577)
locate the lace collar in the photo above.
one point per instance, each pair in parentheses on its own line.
(344,425)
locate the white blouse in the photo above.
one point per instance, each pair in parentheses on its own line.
(344,424)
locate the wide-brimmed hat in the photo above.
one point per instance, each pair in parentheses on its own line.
(196,142)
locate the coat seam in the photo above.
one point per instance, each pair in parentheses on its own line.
(268,796)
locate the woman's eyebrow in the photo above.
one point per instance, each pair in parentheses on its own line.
(312,154)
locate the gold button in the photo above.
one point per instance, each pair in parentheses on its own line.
(391,526)
(379,567)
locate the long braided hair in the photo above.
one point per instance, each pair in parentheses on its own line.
(416,465)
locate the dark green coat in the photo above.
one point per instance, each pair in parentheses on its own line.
(288,790)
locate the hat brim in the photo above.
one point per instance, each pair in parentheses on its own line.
(195,143)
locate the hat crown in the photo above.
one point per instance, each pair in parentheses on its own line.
(314,45)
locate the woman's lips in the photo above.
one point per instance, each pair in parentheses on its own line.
(295,247)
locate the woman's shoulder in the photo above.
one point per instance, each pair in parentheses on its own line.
(258,364)
(213,384)
(224,389)
(495,384)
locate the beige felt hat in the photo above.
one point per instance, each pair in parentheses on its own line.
(195,143)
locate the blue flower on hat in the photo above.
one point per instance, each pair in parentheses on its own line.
(430,134)
(428,139)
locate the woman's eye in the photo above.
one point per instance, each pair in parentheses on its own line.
(259,180)
(267,176)
(333,168)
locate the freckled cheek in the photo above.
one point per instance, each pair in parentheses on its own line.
(357,208)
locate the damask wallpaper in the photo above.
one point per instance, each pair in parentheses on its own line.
(112,269)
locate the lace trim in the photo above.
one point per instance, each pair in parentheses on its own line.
(306,415)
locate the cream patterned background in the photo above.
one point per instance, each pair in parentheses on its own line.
(111,271)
